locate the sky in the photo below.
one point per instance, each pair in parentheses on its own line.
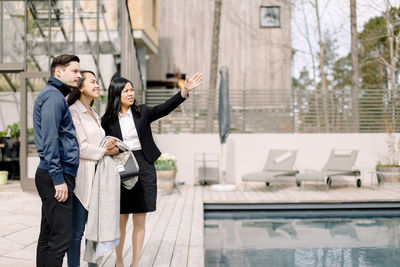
(335,18)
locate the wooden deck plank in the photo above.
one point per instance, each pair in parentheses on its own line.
(151,220)
(196,249)
(150,249)
(181,251)
(168,242)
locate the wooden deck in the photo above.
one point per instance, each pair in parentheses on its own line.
(174,233)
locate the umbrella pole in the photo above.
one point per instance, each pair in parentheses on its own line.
(223,185)
(223,163)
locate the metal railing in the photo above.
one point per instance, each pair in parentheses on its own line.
(281,111)
(377,111)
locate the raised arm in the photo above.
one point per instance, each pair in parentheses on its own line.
(165,108)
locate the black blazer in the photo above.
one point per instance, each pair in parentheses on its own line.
(147,116)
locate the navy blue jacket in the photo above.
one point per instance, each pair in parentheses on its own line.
(55,136)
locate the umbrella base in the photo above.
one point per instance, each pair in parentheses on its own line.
(223,187)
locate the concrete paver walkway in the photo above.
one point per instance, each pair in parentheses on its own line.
(19,225)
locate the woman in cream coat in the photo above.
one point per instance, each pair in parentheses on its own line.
(89,134)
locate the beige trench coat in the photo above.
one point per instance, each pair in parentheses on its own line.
(89,134)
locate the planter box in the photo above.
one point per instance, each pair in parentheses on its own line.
(3,177)
(165,180)
(388,174)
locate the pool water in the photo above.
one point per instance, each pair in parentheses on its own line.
(302,242)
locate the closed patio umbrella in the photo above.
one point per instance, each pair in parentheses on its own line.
(224,125)
(223,105)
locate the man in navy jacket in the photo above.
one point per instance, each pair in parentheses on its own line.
(58,150)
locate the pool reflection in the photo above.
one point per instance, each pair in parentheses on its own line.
(303,242)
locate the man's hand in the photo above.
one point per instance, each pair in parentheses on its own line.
(61,192)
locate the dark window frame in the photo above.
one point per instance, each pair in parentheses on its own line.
(272,8)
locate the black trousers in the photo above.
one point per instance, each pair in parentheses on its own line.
(56,224)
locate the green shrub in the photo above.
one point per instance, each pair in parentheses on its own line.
(165,162)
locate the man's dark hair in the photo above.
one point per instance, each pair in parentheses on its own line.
(62,61)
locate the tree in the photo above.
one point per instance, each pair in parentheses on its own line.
(213,67)
(330,57)
(342,87)
(307,91)
(324,86)
(361,90)
(305,31)
(355,65)
(326,56)
(379,52)
(392,18)
(303,88)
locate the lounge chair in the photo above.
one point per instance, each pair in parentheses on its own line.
(279,164)
(340,163)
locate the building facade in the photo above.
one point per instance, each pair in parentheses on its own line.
(101,33)
(254,43)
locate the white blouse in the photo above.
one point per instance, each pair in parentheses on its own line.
(128,130)
(89,134)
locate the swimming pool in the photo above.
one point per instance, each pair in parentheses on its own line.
(311,234)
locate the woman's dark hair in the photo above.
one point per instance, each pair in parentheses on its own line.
(114,100)
(76,93)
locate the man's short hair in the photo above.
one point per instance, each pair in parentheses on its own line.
(62,61)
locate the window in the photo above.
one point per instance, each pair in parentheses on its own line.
(270,17)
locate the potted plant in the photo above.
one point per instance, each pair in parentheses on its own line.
(388,167)
(10,139)
(3,177)
(166,171)
(3,134)
(15,130)
(3,173)
(30,135)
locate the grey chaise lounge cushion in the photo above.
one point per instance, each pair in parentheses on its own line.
(279,163)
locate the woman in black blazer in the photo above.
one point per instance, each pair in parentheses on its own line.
(130,122)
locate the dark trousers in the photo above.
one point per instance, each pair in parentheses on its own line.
(79,219)
(56,224)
